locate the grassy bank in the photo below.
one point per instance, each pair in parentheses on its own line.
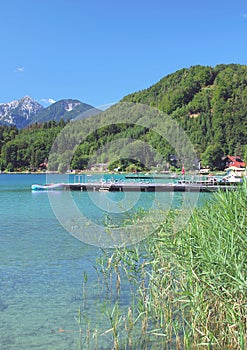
(199,276)
(186,289)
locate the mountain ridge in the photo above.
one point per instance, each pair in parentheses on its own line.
(66,109)
(19,112)
(26,111)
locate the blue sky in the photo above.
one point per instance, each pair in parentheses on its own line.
(99,51)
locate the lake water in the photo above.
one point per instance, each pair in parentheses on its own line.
(42,265)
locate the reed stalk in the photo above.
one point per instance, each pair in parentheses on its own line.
(186,289)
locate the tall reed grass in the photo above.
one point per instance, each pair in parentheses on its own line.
(187,289)
(200,275)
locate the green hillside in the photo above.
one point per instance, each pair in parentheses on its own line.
(27,148)
(209,103)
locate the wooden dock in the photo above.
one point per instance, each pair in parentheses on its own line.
(146,187)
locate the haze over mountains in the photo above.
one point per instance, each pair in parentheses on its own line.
(26,111)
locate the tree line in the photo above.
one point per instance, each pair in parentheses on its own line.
(27,148)
(210,104)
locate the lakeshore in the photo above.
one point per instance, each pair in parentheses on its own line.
(149,292)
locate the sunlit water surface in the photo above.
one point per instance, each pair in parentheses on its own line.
(42,266)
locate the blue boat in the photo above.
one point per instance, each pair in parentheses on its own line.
(49,187)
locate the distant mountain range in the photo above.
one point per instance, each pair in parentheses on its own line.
(26,111)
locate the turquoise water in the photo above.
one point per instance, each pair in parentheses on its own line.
(42,267)
(40,271)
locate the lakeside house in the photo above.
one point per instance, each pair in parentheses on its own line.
(232,161)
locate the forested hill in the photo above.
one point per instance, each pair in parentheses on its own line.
(209,103)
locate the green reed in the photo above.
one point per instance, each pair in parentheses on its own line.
(198,282)
(212,253)
(186,289)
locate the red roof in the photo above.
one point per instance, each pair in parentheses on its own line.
(234,161)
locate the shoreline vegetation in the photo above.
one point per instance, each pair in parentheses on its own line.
(186,289)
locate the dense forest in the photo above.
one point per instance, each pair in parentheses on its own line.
(27,148)
(210,104)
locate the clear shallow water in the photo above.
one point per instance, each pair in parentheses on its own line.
(42,266)
(40,271)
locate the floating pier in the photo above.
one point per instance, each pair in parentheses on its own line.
(137,187)
(149,187)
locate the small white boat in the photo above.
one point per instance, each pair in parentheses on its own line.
(48,187)
(232,178)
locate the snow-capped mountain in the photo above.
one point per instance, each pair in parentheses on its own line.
(27,111)
(19,112)
(66,109)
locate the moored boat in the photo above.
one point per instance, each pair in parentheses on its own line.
(49,187)
(232,178)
